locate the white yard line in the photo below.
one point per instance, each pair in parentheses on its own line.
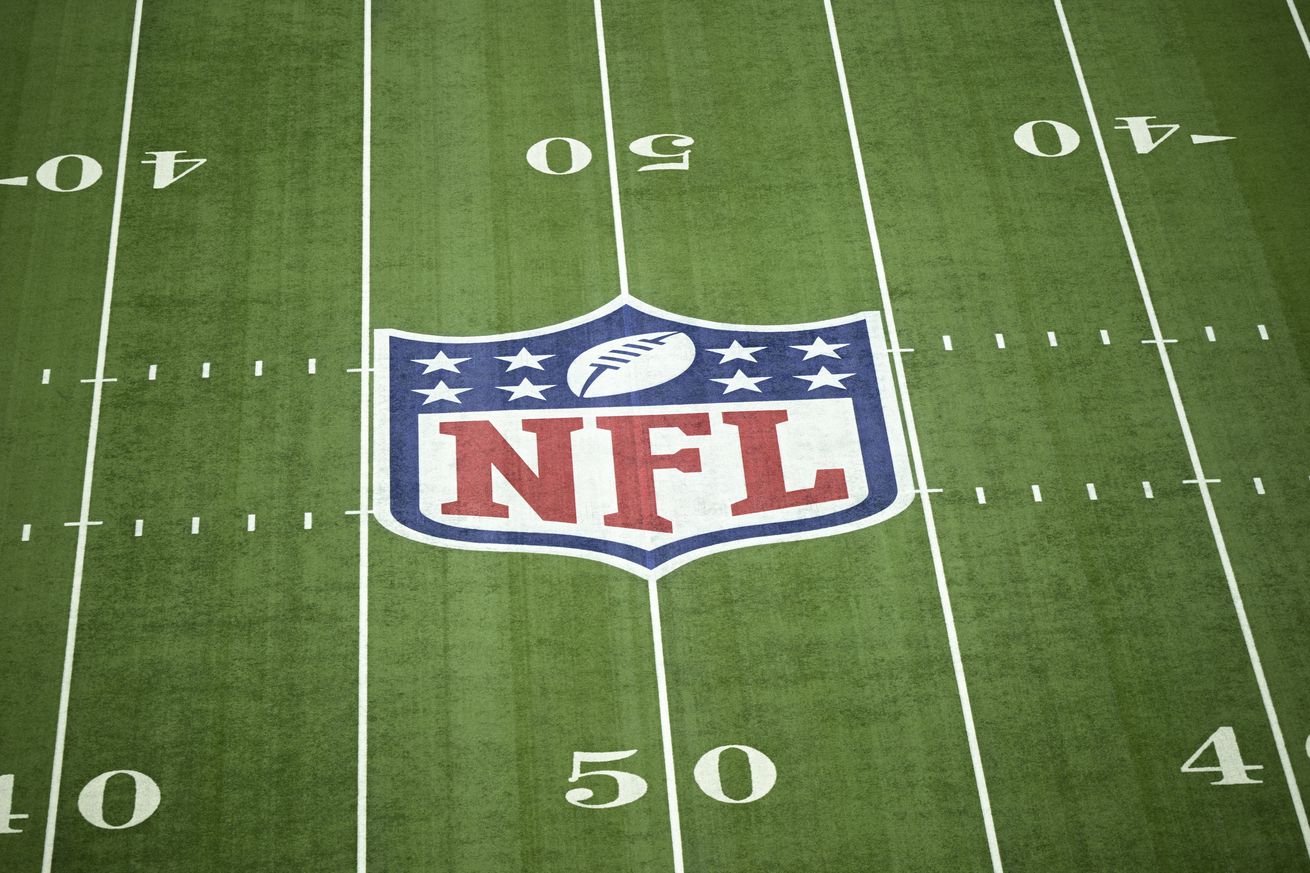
(1300,27)
(661,681)
(93,432)
(619,245)
(365,321)
(1200,480)
(921,478)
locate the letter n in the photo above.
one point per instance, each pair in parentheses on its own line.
(480,447)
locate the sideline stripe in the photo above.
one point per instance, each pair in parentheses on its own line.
(652,579)
(1300,27)
(1202,483)
(957,661)
(365,320)
(620,248)
(93,433)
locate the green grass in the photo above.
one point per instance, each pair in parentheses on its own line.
(1099,639)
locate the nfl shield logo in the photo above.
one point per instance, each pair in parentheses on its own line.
(637,437)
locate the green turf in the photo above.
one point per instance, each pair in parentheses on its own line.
(1100,639)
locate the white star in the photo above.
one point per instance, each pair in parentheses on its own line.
(440,362)
(523,358)
(824,379)
(441,392)
(738,352)
(741,381)
(525,389)
(819,348)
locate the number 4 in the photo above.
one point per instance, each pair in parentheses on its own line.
(1224,743)
(166,164)
(1139,127)
(7,814)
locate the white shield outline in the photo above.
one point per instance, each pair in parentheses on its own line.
(899,452)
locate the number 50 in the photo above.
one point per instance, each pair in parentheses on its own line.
(631,787)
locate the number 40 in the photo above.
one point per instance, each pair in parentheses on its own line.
(631,787)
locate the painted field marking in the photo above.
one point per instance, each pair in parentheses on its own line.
(45,377)
(259,368)
(1105,337)
(195,524)
(365,329)
(652,589)
(27,532)
(97,381)
(946,343)
(204,370)
(1259,485)
(1264,332)
(138,527)
(981,495)
(1203,484)
(1300,27)
(309,521)
(1148,490)
(153,372)
(17,181)
(957,661)
(1091,491)
(250,523)
(1050,338)
(1000,340)
(1209,332)
(312,366)
(93,433)
(1037,494)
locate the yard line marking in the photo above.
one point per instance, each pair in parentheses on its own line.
(916,452)
(82,523)
(313,366)
(204,370)
(666,721)
(1091,491)
(1259,485)
(982,496)
(365,371)
(1300,27)
(620,248)
(45,377)
(1161,342)
(309,521)
(97,381)
(250,523)
(93,433)
(27,532)
(1105,337)
(1050,338)
(1148,490)
(1037,494)
(946,343)
(1202,483)
(136,528)
(259,368)
(1264,331)
(152,372)
(1209,332)
(1000,337)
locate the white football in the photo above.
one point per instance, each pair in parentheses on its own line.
(631,363)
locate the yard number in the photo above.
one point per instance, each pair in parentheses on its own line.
(1232,768)
(1045,138)
(91,802)
(166,164)
(579,153)
(80,172)
(631,787)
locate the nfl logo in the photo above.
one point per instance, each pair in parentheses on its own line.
(637,437)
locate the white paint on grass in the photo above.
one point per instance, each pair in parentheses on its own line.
(250,523)
(1037,494)
(1105,337)
(309,521)
(616,207)
(1300,29)
(1209,332)
(138,527)
(45,377)
(1259,485)
(153,372)
(365,329)
(195,524)
(921,478)
(93,433)
(1000,340)
(1050,338)
(313,366)
(1202,483)
(1264,331)
(204,370)
(1091,491)
(27,532)
(1148,490)
(981,495)
(946,343)
(259,368)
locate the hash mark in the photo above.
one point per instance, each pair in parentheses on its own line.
(1264,331)
(982,496)
(1105,337)
(45,377)
(946,343)
(1147,490)
(1050,338)
(1091,491)
(250,523)
(1259,485)
(152,372)
(27,532)
(136,529)
(309,521)
(1000,340)
(1037,494)
(204,370)
(259,368)
(1209,333)
(195,524)
(313,366)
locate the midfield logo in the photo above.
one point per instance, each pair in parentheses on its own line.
(637,437)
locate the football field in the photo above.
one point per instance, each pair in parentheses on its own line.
(980,543)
